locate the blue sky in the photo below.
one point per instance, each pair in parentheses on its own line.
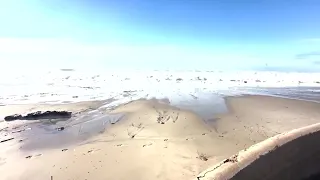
(164,34)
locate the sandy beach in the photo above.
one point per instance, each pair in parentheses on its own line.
(159,90)
(153,140)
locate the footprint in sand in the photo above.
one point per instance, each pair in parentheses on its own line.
(92,151)
(147,145)
(176,118)
(30,156)
(134,129)
(189,139)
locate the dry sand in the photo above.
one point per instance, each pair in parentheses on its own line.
(158,141)
(254,118)
(292,155)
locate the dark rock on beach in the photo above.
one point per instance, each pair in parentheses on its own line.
(40,115)
(13,117)
(47,115)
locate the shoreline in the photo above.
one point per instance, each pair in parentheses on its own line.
(283,97)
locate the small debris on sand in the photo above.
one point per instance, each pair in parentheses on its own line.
(5,140)
(60,128)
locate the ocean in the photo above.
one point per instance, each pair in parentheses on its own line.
(68,85)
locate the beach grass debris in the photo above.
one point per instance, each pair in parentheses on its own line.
(232,159)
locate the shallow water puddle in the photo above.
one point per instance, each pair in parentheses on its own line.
(64,133)
(206,105)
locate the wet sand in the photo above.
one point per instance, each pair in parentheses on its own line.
(157,141)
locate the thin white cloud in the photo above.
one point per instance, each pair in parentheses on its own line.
(308,55)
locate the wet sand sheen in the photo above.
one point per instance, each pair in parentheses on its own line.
(158,141)
(46,133)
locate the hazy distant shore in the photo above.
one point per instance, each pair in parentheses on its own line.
(178,143)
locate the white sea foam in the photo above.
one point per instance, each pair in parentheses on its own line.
(72,86)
